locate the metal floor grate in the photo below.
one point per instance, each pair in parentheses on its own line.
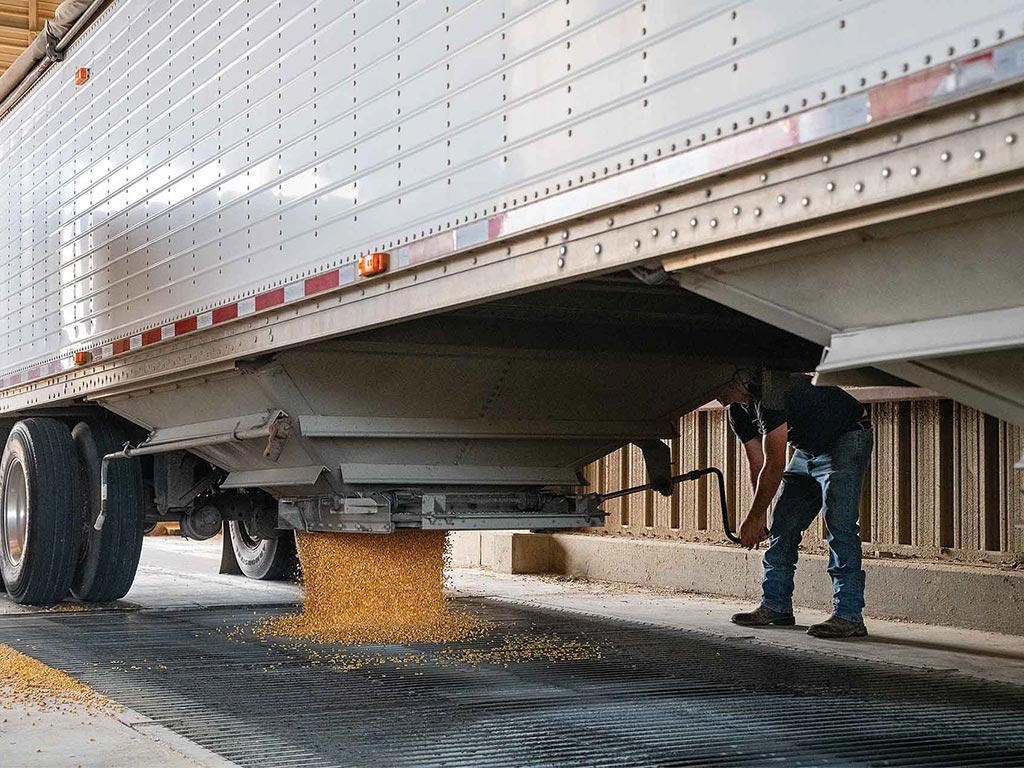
(655,697)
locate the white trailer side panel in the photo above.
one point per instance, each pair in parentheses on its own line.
(224,153)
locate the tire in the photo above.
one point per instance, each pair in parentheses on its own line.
(3,441)
(108,558)
(265,559)
(40,503)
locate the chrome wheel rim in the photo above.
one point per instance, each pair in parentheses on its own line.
(15,513)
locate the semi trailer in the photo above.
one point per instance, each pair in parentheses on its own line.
(357,266)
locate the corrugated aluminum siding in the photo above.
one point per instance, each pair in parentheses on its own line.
(225,148)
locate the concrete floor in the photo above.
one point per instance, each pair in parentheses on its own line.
(33,739)
(180,574)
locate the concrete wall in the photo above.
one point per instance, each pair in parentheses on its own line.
(977,597)
(942,485)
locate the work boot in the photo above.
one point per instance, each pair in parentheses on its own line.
(834,628)
(762,616)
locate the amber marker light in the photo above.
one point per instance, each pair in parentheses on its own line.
(373,264)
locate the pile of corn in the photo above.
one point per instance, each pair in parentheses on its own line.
(361,588)
(26,682)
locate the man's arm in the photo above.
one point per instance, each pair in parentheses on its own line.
(769,477)
(755,457)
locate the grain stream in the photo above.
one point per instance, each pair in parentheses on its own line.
(362,588)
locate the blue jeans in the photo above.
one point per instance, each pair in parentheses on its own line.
(827,482)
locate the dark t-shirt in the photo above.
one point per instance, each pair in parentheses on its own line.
(815,416)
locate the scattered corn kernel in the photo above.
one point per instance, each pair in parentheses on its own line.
(24,681)
(379,590)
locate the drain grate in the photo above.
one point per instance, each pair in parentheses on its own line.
(655,697)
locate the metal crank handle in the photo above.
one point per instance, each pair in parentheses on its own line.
(685,477)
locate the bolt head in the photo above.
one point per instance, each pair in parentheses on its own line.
(565,234)
(654,232)
(944,157)
(736,210)
(693,222)
(830,186)
(636,243)
(915,171)
(1011,138)
(562,250)
(805,201)
(886,173)
(597,248)
(611,222)
(825,158)
(561,263)
(757,212)
(780,199)
(764,177)
(858,187)
(713,223)
(657,208)
(674,234)
(979,154)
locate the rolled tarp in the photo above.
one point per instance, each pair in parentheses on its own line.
(69,19)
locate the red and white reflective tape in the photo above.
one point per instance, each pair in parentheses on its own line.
(928,88)
(286,294)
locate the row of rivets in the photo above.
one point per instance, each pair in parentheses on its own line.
(979,154)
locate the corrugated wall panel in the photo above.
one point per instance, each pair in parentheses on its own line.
(1014,491)
(941,483)
(968,479)
(884,477)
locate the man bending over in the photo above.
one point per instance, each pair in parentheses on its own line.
(831,434)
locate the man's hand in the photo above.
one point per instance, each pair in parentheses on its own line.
(753,531)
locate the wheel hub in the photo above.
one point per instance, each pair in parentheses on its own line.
(15,513)
(251,539)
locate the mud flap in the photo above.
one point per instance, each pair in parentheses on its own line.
(228,561)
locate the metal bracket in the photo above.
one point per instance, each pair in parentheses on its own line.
(658,460)
(54,52)
(481,512)
(336,515)
(276,477)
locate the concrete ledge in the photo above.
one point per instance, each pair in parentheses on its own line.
(502,551)
(928,592)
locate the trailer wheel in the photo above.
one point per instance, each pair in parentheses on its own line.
(107,558)
(39,508)
(267,559)
(4,433)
